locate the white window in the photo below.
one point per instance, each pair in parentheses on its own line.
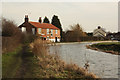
(33,30)
(23,29)
(47,37)
(39,30)
(56,31)
(47,31)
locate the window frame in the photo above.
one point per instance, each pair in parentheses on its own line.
(39,30)
(23,29)
(56,31)
(52,32)
(47,30)
(33,30)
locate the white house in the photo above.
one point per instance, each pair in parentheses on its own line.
(99,32)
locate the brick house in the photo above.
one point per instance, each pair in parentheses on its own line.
(45,31)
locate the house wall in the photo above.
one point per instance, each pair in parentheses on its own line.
(26,27)
(99,32)
(51,37)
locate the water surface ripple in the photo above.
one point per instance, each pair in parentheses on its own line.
(102,64)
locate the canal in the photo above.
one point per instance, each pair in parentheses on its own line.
(102,64)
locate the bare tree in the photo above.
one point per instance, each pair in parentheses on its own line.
(78,31)
(9,28)
(75,33)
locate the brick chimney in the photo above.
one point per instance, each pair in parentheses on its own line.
(26,18)
(40,20)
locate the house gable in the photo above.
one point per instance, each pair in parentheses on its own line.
(99,32)
(27,27)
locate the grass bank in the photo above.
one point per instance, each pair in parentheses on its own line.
(51,66)
(33,61)
(108,47)
(20,63)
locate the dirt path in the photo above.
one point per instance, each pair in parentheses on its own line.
(27,64)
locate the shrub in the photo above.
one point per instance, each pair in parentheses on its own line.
(9,28)
(11,35)
(28,38)
(39,48)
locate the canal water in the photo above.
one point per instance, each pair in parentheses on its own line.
(102,64)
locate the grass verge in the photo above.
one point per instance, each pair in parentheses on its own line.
(10,63)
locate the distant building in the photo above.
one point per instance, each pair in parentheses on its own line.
(99,32)
(45,31)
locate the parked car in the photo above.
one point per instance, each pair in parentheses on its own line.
(114,39)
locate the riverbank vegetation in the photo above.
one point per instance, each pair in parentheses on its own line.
(52,66)
(108,47)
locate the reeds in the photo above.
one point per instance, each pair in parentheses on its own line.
(52,66)
(39,48)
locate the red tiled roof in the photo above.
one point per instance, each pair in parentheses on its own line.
(43,25)
(43,35)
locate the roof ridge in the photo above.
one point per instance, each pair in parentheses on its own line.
(43,25)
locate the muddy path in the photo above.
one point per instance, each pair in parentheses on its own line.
(28,64)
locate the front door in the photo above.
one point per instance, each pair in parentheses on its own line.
(44,38)
(55,39)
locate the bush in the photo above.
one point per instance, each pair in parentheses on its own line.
(28,38)
(11,35)
(9,28)
(39,48)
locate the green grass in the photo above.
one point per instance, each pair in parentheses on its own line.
(19,64)
(108,46)
(10,63)
(23,64)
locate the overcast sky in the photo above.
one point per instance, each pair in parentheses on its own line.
(88,14)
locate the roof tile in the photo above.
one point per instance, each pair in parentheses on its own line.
(43,25)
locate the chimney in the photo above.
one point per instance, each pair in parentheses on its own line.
(40,20)
(26,18)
